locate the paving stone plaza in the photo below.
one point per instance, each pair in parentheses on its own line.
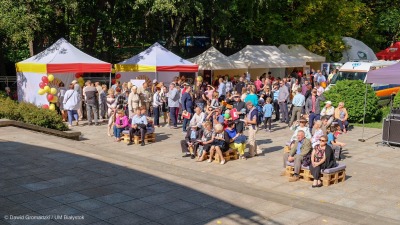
(50,180)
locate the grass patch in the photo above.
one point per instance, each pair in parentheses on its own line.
(377,125)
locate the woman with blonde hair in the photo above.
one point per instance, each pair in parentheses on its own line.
(220,144)
(341,116)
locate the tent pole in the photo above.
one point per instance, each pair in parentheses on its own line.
(365,105)
(109,83)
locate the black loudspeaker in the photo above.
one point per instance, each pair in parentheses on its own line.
(391,131)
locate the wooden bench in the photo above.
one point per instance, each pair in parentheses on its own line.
(229,155)
(328,176)
(151,137)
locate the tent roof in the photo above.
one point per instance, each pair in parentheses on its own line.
(261,56)
(212,59)
(62,57)
(156,58)
(387,75)
(299,51)
(357,51)
(390,53)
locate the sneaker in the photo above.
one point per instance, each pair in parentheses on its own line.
(270,130)
(294,179)
(223,162)
(192,156)
(209,161)
(130,143)
(142,143)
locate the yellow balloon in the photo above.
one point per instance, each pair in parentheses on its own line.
(46,89)
(41,91)
(52,107)
(200,78)
(53,91)
(50,77)
(80,79)
(55,99)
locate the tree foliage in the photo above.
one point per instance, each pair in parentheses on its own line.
(352,93)
(106,28)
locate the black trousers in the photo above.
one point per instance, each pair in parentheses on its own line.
(137,132)
(267,122)
(276,109)
(185,147)
(315,171)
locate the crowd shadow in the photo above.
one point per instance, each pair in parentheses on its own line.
(45,181)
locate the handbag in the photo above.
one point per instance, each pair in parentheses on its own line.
(241,139)
(219,143)
(186,115)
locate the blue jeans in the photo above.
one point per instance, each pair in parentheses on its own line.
(118,131)
(343,124)
(311,119)
(156,111)
(72,114)
(187,121)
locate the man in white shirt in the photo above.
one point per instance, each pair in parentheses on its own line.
(198,117)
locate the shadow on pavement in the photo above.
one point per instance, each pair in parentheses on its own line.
(39,181)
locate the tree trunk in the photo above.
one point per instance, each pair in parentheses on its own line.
(175,30)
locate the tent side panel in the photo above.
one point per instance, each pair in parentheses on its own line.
(79,68)
(28,86)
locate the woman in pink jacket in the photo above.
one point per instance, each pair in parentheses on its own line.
(121,122)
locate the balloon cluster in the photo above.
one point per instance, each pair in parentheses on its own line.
(227,114)
(79,77)
(117,77)
(47,88)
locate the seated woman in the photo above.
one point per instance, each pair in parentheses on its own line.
(138,125)
(328,111)
(300,125)
(191,143)
(121,122)
(237,141)
(341,116)
(206,141)
(220,143)
(322,157)
(318,132)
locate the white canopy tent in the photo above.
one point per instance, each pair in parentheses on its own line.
(61,59)
(299,51)
(266,57)
(218,63)
(358,51)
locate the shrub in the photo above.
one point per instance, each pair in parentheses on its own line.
(396,100)
(31,114)
(352,93)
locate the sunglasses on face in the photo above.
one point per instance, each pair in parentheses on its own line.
(322,140)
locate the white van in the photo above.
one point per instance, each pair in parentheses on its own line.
(358,71)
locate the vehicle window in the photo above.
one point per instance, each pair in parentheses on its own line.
(343,75)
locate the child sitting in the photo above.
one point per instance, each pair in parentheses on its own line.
(335,145)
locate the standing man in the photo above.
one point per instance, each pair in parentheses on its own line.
(313,108)
(282,101)
(221,88)
(173,104)
(275,92)
(92,103)
(145,97)
(298,103)
(187,105)
(239,86)
(251,121)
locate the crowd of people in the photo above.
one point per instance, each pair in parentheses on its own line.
(214,117)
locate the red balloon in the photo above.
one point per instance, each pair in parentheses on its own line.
(45,106)
(42,84)
(45,79)
(118,76)
(50,97)
(78,75)
(113,81)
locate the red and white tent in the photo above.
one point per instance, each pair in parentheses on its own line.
(61,59)
(391,53)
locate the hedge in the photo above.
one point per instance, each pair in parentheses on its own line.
(396,101)
(31,114)
(352,93)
